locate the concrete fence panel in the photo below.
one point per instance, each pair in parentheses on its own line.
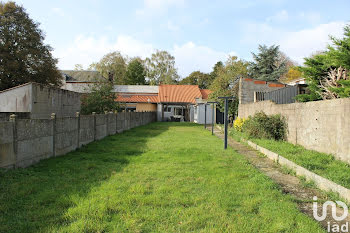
(7,153)
(34,141)
(318,125)
(66,135)
(24,142)
(112,123)
(101,126)
(86,131)
(120,122)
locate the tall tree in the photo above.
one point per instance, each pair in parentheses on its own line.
(161,68)
(226,83)
(217,67)
(23,55)
(320,66)
(203,80)
(135,72)
(269,64)
(112,65)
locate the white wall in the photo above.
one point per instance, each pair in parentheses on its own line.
(17,99)
(200,116)
(41,101)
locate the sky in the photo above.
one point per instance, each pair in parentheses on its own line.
(198,33)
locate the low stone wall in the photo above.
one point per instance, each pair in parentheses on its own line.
(323,126)
(24,142)
(321,182)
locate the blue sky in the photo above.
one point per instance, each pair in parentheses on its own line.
(198,33)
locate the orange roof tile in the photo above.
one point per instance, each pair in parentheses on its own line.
(137,98)
(205,93)
(179,93)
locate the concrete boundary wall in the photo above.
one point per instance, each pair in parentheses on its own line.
(24,142)
(323,126)
(320,181)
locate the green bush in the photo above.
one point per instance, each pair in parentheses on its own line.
(264,126)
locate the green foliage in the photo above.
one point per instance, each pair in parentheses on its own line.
(161,68)
(112,64)
(135,73)
(264,126)
(203,80)
(226,82)
(343,91)
(216,69)
(101,99)
(318,66)
(137,181)
(338,54)
(23,55)
(269,64)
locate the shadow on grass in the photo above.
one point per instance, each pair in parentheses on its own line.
(35,198)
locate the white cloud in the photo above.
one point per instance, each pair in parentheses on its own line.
(303,43)
(86,50)
(278,17)
(188,56)
(296,44)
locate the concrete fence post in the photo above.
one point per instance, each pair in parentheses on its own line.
(142,115)
(128,119)
(77,114)
(94,115)
(53,118)
(107,123)
(116,121)
(14,128)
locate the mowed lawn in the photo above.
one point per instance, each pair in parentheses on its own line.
(163,177)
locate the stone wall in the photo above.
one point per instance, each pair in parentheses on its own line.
(323,126)
(24,142)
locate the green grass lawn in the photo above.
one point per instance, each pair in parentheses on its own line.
(322,164)
(163,177)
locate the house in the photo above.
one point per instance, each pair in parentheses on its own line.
(172,102)
(252,90)
(297,81)
(248,89)
(80,81)
(37,101)
(137,97)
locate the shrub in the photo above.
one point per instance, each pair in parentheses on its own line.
(238,124)
(264,126)
(100,99)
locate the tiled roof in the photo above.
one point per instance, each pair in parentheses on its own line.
(205,93)
(137,98)
(179,93)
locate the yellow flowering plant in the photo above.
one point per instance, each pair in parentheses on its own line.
(238,124)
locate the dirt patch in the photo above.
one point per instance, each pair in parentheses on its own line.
(289,184)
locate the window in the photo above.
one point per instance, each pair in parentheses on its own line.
(167,109)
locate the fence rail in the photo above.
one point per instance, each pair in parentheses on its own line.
(284,95)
